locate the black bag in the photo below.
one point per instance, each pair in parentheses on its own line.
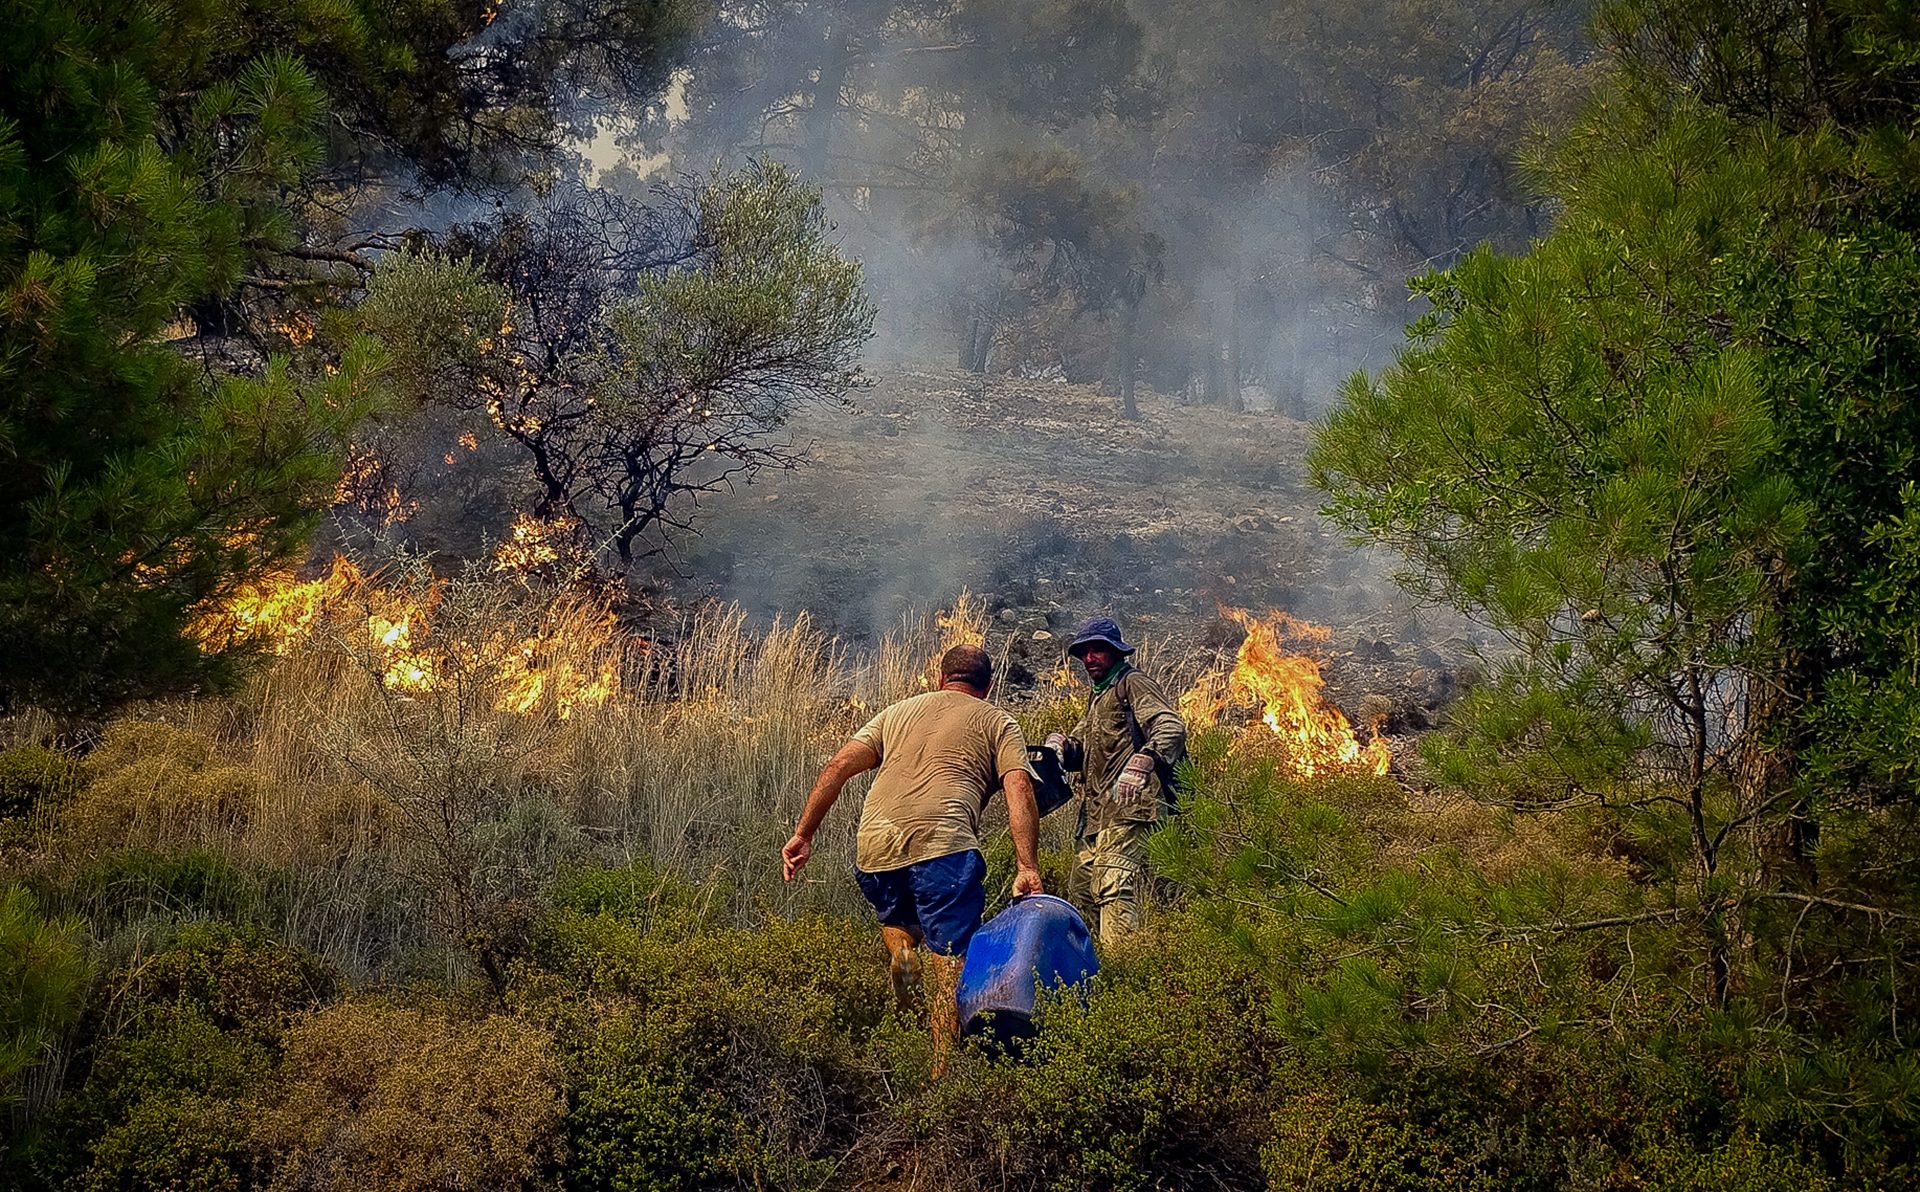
(1051,790)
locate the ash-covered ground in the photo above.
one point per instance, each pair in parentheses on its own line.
(1040,499)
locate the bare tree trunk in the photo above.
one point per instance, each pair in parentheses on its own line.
(1291,395)
(1222,376)
(1126,352)
(1230,353)
(977,329)
(832,78)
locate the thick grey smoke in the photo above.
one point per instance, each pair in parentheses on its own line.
(1222,200)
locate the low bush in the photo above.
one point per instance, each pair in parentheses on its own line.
(702,1056)
(240,978)
(157,1103)
(189,1143)
(373,1095)
(128,886)
(1165,1077)
(34,776)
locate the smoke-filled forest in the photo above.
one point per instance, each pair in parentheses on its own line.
(474,469)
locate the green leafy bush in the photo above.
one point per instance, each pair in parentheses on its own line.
(157,1107)
(1165,1078)
(189,1143)
(1347,1144)
(639,894)
(130,885)
(240,978)
(702,1056)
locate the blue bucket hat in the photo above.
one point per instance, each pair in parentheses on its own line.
(1099,629)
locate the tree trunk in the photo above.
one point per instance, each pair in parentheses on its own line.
(1126,353)
(1223,354)
(831,79)
(1290,397)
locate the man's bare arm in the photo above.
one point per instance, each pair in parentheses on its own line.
(1023,822)
(853,758)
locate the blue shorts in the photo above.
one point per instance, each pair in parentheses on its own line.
(942,898)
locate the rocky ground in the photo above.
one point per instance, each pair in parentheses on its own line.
(1039,498)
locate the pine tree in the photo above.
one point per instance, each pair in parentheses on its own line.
(137,487)
(160,166)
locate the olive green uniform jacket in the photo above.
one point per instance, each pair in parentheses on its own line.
(1103,743)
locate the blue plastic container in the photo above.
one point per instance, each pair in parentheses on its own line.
(1038,943)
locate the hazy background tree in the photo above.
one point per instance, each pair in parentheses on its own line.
(1281,167)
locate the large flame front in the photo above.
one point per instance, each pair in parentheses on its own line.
(568,660)
(1286,688)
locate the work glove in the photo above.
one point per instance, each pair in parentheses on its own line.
(1066,749)
(1131,786)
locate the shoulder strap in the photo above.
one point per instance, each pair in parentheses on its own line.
(1126,709)
(1162,768)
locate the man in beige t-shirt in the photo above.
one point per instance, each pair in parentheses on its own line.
(917,858)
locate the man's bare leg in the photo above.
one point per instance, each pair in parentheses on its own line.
(943,986)
(903,963)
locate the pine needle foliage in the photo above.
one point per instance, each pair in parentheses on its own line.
(138,486)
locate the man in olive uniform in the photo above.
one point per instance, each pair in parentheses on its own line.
(1123,753)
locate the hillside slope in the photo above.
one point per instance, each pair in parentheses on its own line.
(1038,497)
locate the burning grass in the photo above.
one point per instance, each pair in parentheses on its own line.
(421,754)
(1284,689)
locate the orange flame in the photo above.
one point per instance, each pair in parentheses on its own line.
(529,547)
(570,660)
(965,624)
(366,487)
(1287,689)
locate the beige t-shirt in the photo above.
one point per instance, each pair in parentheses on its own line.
(942,755)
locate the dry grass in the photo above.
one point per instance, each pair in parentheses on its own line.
(400,814)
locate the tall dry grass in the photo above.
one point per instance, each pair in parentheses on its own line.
(409,819)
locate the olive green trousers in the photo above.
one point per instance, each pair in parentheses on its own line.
(1110,880)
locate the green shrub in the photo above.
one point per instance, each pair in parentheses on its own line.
(132,742)
(35,776)
(640,894)
(705,1057)
(156,1102)
(188,1143)
(1163,1079)
(43,978)
(134,885)
(1741,1165)
(240,978)
(640,1117)
(1343,1144)
(173,1051)
(155,785)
